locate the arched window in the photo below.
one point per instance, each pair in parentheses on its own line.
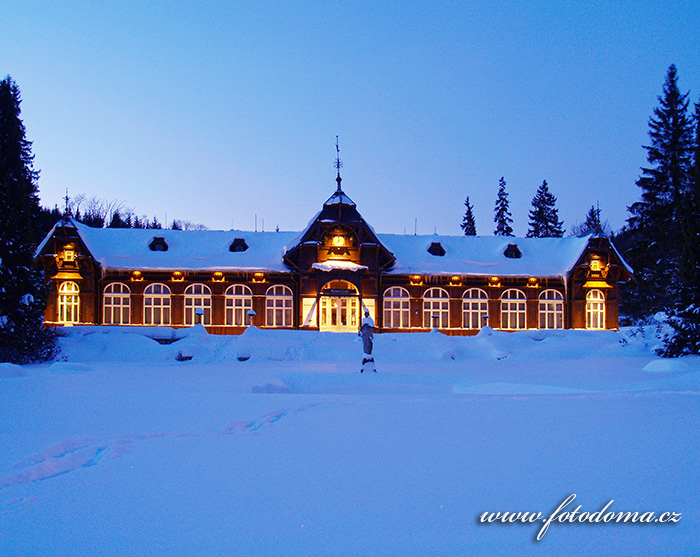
(116,304)
(197,296)
(436,301)
(397,312)
(239,299)
(68,303)
(595,310)
(551,310)
(475,305)
(278,304)
(513,309)
(156,305)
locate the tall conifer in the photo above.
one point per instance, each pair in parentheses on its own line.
(22,292)
(544,217)
(502,216)
(468,222)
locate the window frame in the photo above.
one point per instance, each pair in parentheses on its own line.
(595,310)
(279,307)
(69,302)
(237,304)
(513,308)
(163,310)
(472,314)
(442,309)
(122,309)
(550,311)
(396,308)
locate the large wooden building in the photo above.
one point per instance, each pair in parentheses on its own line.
(325,276)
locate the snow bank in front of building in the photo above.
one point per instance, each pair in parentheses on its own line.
(159,344)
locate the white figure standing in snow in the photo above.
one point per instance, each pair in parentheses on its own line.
(367,333)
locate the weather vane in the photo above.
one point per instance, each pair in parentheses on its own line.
(338,162)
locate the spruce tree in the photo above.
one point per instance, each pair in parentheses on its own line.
(656,220)
(502,216)
(685,313)
(544,217)
(23,337)
(468,223)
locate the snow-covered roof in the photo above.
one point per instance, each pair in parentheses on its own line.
(332,265)
(208,250)
(188,250)
(483,255)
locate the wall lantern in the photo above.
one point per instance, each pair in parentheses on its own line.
(258,277)
(532,282)
(494,282)
(218,276)
(455,281)
(136,275)
(416,280)
(178,276)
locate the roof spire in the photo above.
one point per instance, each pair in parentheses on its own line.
(338,164)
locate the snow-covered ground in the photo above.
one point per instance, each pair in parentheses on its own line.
(272,443)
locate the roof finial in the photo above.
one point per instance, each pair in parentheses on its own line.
(66,212)
(338,163)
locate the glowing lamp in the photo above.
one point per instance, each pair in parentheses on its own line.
(136,275)
(178,276)
(258,277)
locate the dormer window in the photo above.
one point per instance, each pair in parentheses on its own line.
(238,244)
(158,244)
(436,249)
(512,252)
(595,265)
(69,255)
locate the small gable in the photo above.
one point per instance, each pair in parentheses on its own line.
(238,244)
(158,244)
(436,249)
(513,252)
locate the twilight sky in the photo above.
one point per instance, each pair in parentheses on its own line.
(217,111)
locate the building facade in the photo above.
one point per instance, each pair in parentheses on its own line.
(324,277)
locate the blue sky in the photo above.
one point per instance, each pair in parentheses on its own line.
(215,112)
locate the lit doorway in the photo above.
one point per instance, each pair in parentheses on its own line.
(339,307)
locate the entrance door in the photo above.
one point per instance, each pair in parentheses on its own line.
(339,308)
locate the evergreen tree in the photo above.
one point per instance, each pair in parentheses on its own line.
(685,314)
(544,217)
(592,224)
(502,217)
(176,225)
(468,223)
(656,220)
(117,221)
(154,223)
(23,337)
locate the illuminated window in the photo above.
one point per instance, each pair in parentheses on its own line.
(595,310)
(436,301)
(513,309)
(68,303)
(156,305)
(278,305)
(239,299)
(197,296)
(595,265)
(116,304)
(396,308)
(551,310)
(474,307)
(69,255)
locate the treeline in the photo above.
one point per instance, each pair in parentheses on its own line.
(544,216)
(101,213)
